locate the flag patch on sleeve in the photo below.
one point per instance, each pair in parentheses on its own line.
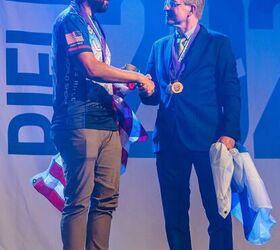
(74,37)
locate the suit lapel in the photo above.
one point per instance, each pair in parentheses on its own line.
(167,54)
(195,53)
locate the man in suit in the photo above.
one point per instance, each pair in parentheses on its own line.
(198,93)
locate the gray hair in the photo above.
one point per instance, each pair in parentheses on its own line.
(199,5)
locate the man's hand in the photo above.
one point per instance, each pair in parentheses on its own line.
(227,141)
(146,86)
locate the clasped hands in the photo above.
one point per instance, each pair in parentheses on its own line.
(146,86)
(144,83)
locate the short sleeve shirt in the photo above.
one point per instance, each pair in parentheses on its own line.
(78,101)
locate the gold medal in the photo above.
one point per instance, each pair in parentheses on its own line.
(176,87)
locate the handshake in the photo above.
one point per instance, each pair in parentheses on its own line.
(146,86)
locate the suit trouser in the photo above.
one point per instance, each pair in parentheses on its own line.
(92,161)
(174,169)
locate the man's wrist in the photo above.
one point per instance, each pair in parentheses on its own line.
(139,78)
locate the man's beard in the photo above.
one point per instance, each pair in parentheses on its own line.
(99,6)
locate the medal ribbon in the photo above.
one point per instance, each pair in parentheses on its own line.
(96,27)
(176,66)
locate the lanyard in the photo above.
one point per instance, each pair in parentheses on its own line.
(96,27)
(177,67)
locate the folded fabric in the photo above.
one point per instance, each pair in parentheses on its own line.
(222,169)
(239,186)
(51,182)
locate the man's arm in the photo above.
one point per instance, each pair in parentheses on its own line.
(152,98)
(75,38)
(99,71)
(229,87)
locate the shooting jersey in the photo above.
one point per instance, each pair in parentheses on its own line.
(78,101)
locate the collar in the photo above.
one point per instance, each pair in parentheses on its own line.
(187,34)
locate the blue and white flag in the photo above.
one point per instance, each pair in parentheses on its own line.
(239,186)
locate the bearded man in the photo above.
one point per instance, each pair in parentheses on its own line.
(84,124)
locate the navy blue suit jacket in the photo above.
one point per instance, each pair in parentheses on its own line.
(209,105)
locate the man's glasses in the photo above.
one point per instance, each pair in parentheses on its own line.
(172,4)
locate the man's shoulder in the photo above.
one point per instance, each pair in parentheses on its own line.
(217,36)
(162,41)
(68,15)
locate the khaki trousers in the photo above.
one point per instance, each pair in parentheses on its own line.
(92,161)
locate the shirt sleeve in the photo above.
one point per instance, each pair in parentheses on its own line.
(154,99)
(75,35)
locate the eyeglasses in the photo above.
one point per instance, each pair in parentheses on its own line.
(172,4)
